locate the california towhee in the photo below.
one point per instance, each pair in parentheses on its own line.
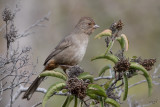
(69,51)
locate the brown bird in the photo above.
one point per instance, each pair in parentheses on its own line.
(69,52)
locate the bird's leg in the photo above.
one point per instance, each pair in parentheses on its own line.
(65,67)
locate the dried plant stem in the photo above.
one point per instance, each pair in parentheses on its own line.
(7,39)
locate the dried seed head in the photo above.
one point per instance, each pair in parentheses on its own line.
(7,15)
(148,63)
(116,27)
(119,25)
(122,65)
(77,87)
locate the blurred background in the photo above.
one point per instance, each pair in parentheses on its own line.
(142,27)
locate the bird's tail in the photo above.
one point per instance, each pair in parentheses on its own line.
(28,94)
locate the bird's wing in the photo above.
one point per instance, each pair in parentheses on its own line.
(65,43)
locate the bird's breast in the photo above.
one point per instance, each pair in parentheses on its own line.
(80,50)
(74,53)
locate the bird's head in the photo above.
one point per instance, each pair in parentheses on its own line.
(86,25)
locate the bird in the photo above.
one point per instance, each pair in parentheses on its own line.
(69,52)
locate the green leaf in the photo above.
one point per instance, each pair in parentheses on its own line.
(104,69)
(96,89)
(93,96)
(145,73)
(64,90)
(67,101)
(110,57)
(126,42)
(106,32)
(109,47)
(108,83)
(123,41)
(112,102)
(125,87)
(54,74)
(86,75)
(51,90)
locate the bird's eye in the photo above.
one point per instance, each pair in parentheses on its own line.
(89,23)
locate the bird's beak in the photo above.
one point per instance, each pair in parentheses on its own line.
(96,26)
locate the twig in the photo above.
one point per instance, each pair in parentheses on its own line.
(140,82)
(37,104)
(13,68)
(118,85)
(37,23)
(22,89)
(41,90)
(104,77)
(1,92)
(156,69)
